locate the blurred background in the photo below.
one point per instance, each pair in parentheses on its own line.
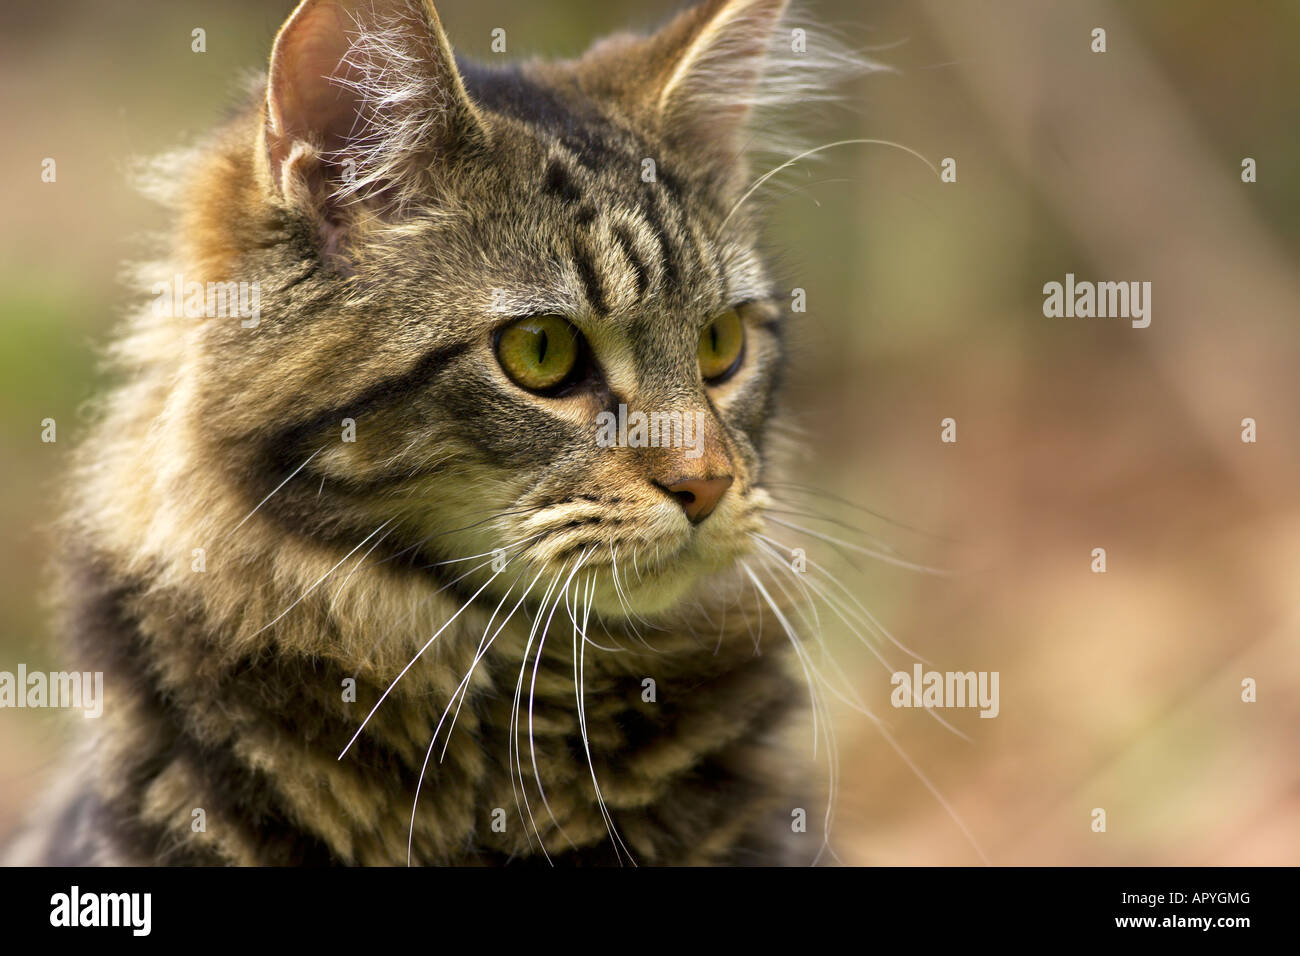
(1119,690)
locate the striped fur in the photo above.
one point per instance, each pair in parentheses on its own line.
(480,194)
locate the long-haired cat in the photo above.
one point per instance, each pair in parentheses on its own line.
(371,577)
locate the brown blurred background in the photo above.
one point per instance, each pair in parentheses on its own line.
(1119,690)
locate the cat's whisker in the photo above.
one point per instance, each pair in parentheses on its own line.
(813,490)
(492,516)
(819,149)
(490,554)
(798,649)
(842,525)
(758,604)
(880,725)
(532,687)
(608,814)
(863,613)
(273,492)
(428,599)
(869,552)
(450,584)
(360,561)
(849,699)
(482,652)
(619,590)
(722,629)
(791,428)
(569,607)
(513,762)
(791,193)
(542,613)
(461,691)
(321,579)
(817,704)
(935,792)
(778,560)
(423,463)
(580,694)
(839,609)
(866,616)
(418,655)
(383,465)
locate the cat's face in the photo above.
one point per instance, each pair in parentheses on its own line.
(587,305)
(547,319)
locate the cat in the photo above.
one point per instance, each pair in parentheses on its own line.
(365,586)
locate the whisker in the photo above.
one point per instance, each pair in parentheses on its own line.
(532,687)
(798,651)
(818,149)
(275,489)
(839,610)
(865,615)
(880,725)
(417,656)
(462,690)
(322,578)
(878,555)
(935,792)
(360,561)
(428,599)
(488,554)
(482,652)
(817,706)
(830,496)
(580,693)
(469,527)
(512,741)
(622,597)
(843,525)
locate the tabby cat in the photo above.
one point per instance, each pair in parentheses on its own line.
(365,586)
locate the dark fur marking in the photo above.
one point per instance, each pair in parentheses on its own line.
(651,212)
(624,240)
(284,445)
(236,793)
(589,136)
(590,280)
(559,183)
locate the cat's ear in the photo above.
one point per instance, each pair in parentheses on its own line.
(364,102)
(701,75)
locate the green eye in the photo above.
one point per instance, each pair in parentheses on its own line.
(721,345)
(538,353)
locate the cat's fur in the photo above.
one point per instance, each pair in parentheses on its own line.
(472,194)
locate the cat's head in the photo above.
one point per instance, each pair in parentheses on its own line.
(516,318)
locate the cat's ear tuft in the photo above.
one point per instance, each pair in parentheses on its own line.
(709,64)
(725,77)
(364,102)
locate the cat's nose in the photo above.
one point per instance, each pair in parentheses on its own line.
(698,496)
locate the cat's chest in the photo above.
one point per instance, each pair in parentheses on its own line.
(577,751)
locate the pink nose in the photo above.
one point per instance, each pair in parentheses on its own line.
(698,496)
